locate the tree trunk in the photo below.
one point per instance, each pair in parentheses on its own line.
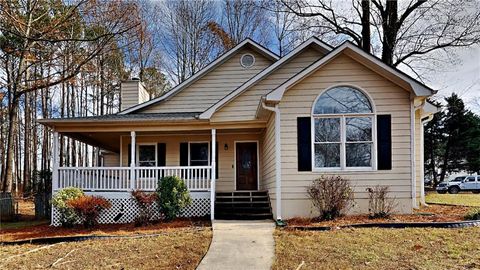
(10,151)
(366,25)
(390,30)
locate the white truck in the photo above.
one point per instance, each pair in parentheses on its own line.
(460,183)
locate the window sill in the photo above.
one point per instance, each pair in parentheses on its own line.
(343,170)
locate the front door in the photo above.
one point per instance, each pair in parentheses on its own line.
(246,165)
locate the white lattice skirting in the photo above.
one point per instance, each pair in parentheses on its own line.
(124,209)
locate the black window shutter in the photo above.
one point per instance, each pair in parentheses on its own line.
(304,144)
(161,154)
(129,154)
(183,154)
(217,159)
(384,137)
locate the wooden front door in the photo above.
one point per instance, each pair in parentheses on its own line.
(246,165)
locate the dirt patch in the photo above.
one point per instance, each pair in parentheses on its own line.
(431,213)
(177,248)
(104,229)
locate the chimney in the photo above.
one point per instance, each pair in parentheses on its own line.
(132,92)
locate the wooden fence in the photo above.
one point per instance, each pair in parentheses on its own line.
(7,207)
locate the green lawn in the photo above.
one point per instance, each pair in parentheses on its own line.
(466,199)
(378,249)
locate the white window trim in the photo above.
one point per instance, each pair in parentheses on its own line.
(343,167)
(209,154)
(137,156)
(241,60)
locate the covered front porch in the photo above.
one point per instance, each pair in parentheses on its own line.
(208,158)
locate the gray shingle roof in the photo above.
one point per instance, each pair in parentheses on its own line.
(128,117)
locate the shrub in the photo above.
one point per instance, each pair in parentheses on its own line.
(173,196)
(473,214)
(68,216)
(146,203)
(88,208)
(331,195)
(379,204)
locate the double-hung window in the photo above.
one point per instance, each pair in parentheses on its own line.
(199,154)
(147,155)
(342,130)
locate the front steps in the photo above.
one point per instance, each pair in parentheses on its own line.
(243,205)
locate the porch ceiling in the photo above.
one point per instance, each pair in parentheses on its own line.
(111,140)
(105,140)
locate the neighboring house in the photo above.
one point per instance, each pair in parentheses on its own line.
(251,121)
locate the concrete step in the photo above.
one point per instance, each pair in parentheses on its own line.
(238,216)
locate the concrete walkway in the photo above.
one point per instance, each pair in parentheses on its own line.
(240,245)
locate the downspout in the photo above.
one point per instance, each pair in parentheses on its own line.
(413,157)
(422,168)
(278,162)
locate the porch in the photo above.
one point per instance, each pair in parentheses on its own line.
(205,159)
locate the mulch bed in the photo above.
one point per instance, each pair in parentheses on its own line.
(431,213)
(102,229)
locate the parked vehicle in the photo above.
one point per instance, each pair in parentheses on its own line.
(460,183)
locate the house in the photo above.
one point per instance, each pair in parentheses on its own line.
(251,131)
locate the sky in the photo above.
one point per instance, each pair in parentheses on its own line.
(462,77)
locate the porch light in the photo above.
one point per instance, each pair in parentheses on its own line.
(225,147)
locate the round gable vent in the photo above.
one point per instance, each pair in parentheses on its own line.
(247,60)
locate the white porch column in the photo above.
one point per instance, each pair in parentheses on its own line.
(213,174)
(278,164)
(55,164)
(55,161)
(132,159)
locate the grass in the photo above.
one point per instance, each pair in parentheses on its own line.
(178,248)
(378,249)
(466,199)
(21,224)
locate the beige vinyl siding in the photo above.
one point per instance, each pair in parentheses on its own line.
(387,98)
(268,157)
(212,87)
(111,160)
(132,93)
(244,106)
(225,159)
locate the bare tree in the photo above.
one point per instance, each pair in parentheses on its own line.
(144,50)
(408,32)
(32,30)
(245,19)
(187,43)
(286,28)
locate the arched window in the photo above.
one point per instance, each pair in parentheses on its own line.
(343,121)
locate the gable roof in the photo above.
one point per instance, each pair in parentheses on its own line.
(217,106)
(396,76)
(224,57)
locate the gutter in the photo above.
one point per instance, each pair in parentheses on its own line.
(278,161)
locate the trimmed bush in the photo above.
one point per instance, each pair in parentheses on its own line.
(68,217)
(473,214)
(146,203)
(173,196)
(88,208)
(331,195)
(379,204)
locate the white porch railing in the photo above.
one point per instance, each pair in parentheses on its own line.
(197,178)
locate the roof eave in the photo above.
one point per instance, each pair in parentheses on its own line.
(217,106)
(417,88)
(264,51)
